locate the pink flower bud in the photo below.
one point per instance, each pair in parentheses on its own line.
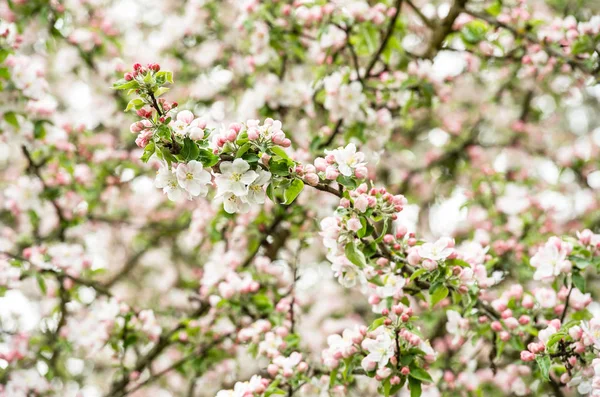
(320,164)
(273,369)
(527,356)
(429,265)
(331,173)
(361,172)
(496,326)
(312,179)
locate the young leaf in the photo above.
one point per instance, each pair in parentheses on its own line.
(354,255)
(290,194)
(190,150)
(136,103)
(438,294)
(544,364)
(280,152)
(421,374)
(11,118)
(415,387)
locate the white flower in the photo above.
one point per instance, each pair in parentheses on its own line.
(392,285)
(591,332)
(346,272)
(187,125)
(330,231)
(456,324)
(233,203)
(436,251)
(288,363)
(332,37)
(193,178)
(344,342)
(545,334)
(240,389)
(167,181)
(348,159)
(235,177)
(514,201)
(551,260)
(271,345)
(380,349)
(546,297)
(256,192)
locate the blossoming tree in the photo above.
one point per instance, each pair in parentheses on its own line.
(299,198)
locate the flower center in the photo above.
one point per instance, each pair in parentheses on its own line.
(189,176)
(236,177)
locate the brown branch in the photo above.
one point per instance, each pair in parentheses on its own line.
(574,62)
(428,22)
(35,169)
(444,29)
(386,39)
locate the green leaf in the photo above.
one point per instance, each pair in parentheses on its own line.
(148,152)
(347,181)
(555,338)
(415,387)
(584,44)
(333,377)
(579,281)
(579,262)
(3,54)
(474,32)
(125,85)
(262,302)
(243,149)
(354,255)
(290,194)
(136,103)
(41,283)
(279,167)
(190,150)
(11,118)
(271,193)
(421,374)
(164,76)
(280,152)
(544,364)
(438,294)
(39,131)
(362,232)
(418,273)
(160,90)
(376,324)
(495,9)
(207,158)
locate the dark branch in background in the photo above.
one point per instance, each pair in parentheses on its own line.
(574,62)
(36,170)
(386,39)
(428,22)
(444,29)
(133,261)
(526,106)
(329,140)
(118,387)
(264,239)
(362,79)
(154,377)
(86,283)
(564,312)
